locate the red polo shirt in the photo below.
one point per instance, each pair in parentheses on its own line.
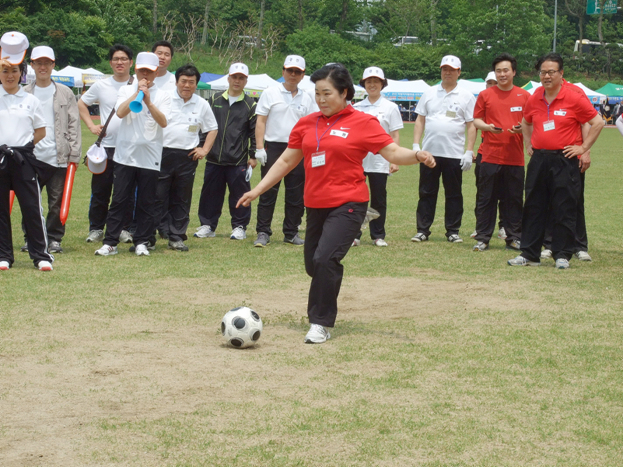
(504,109)
(333,149)
(569,110)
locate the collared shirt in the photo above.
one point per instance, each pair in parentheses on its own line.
(503,109)
(186,119)
(165,82)
(104,92)
(140,138)
(333,149)
(389,117)
(283,111)
(557,124)
(21,115)
(447,114)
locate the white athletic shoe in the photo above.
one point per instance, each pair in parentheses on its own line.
(454,238)
(317,334)
(4,265)
(546,254)
(125,237)
(141,250)
(502,233)
(106,250)
(521,261)
(562,263)
(356,242)
(238,234)
(95,236)
(474,233)
(380,242)
(44,266)
(205,231)
(583,256)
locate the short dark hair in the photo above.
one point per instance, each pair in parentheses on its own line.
(187,70)
(504,57)
(162,44)
(120,47)
(550,57)
(339,77)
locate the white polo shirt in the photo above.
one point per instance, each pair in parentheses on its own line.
(20,116)
(187,118)
(140,138)
(283,111)
(446,115)
(165,82)
(389,117)
(104,92)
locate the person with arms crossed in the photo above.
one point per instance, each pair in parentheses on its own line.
(138,156)
(104,92)
(498,114)
(62,143)
(22,126)
(375,167)
(181,154)
(231,159)
(336,195)
(552,135)
(278,110)
(446,111)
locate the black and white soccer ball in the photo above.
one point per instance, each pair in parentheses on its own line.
(241,327)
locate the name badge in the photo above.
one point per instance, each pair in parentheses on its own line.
(193,128)
(560,113)
(450,114)
(341,134)
(516,109)
(548,126)
(318,159)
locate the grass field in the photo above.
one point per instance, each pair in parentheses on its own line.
(440,356)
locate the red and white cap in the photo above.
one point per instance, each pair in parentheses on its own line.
(491,77)
(147,60)
(294,61)
(239,68)
(452,61)
(13,46)
(42,51)
(96,159)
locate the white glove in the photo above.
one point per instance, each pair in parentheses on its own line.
(249,174)
(260,156)
(416,147)
(466,160)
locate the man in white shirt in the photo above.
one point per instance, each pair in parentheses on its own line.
(104,92)
(138,156)
(181,154)
(62,143)
(446,111)
(165,80)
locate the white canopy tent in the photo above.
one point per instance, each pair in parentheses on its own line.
(310,88)
(474,87)
(254,83)
(593,96)
(404,90)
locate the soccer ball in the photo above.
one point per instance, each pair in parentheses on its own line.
(241,327)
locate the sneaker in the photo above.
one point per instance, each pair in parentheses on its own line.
(380,242)
(317,334)
(502,233)
(238,234)
(262,240)
(205,231)
(24,248)
(4,265)
(562,263)
(150,247)
(454,238)
(480,246)
(44,266)
(106,250)
(521,261)
(474,233)
(178,246)
(95,236)
(55,247)
(125,237)
(141,250)
(419,237)
(356,242)
(296,240)
(514,245)
(583,256)
(546,254)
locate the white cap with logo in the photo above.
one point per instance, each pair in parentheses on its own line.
(239,68)
(451,61)
(42,51)
(147,60)
(491,77)
(294,61)
(373,71)
(13,46)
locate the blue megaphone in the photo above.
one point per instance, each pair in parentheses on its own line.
(137,104)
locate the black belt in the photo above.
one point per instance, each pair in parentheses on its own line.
(549,152)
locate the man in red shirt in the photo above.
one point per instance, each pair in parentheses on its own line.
(553,137)
(498,114)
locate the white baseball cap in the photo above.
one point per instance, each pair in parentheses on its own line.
(96,159)
(491,77)
(42,51)
(13,46)
(451,61)
(373,72)
(239,68)
(294,61)
(147,60)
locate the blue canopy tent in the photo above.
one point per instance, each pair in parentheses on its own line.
(207,77)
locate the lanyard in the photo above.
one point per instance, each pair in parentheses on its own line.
(325,132)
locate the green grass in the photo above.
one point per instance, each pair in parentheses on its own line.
(440,356)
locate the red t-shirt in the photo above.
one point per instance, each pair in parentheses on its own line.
(504,109)
(336,177)
(568,111)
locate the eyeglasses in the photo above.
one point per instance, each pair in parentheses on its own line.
(120,59)
(40,63)
(549,72)
(294,71)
